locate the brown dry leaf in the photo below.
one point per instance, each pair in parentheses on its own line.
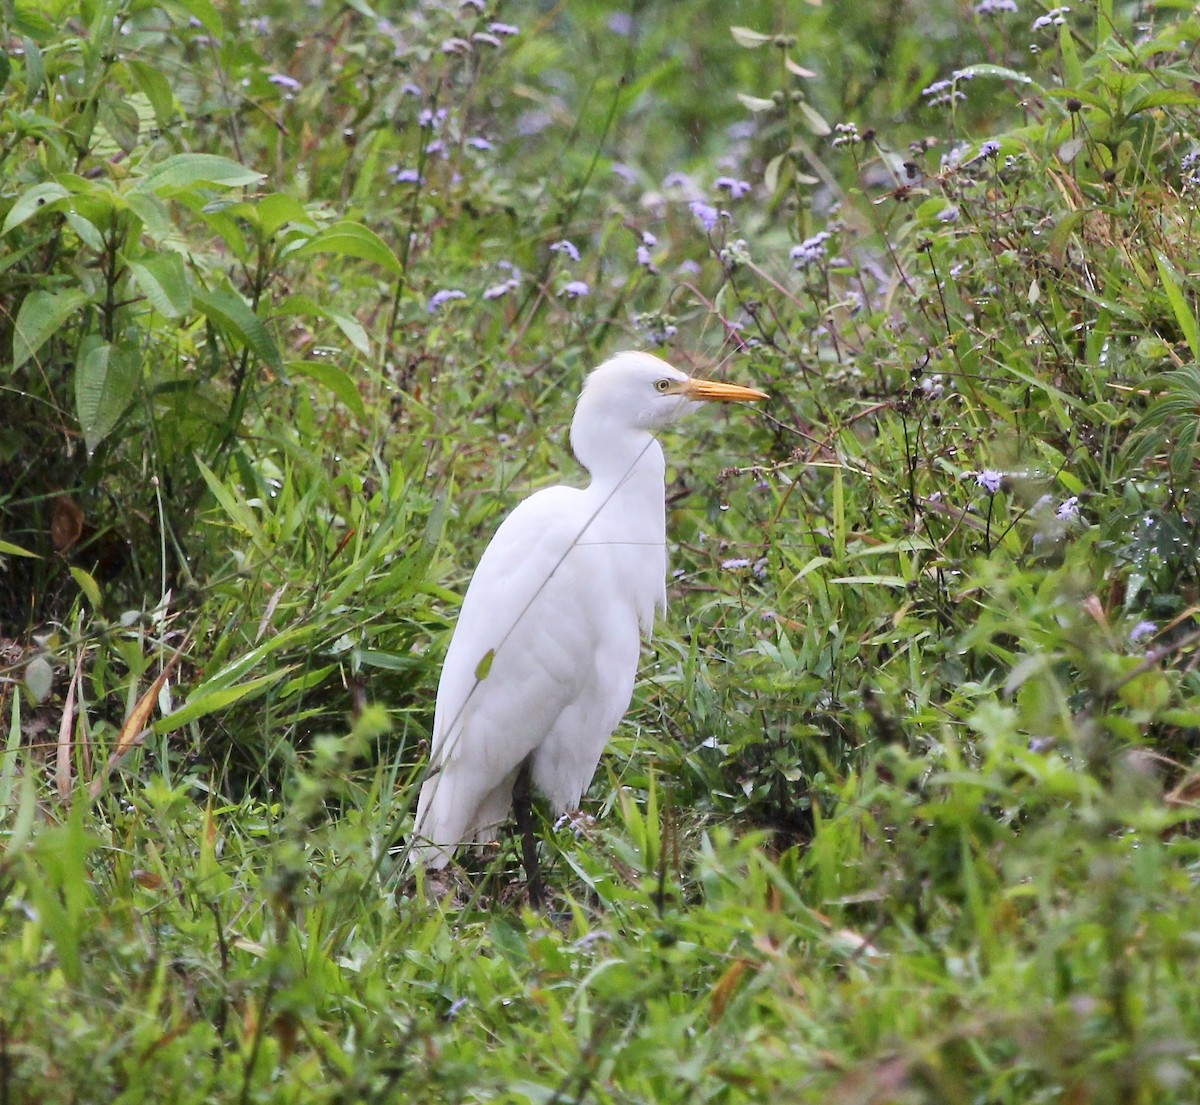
(66,523)
(133,732)
(725,988)
(62,764)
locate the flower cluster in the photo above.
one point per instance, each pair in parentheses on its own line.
(1055,17)
(812,251)
(995,7)
(946,91)
(846,134)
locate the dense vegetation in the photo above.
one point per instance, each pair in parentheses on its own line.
(295,302)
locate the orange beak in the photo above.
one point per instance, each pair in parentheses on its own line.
(716,391)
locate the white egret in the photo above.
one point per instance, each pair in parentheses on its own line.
(541,666)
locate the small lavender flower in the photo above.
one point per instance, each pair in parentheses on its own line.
(1055,17)
(439,299)
(487,38)
(435,147)
(479,143)
(990,148)
(990,480)
(620,169)
(503,288)
(429,119)
(734,564)
(478,5)
(505,30)
(706,215)
(677,180)
(995,7)
(645,259)
(404,176)
(948,214)
(566,247)
(933,386)
(1068,510)
(811,251)
(575,289)
(943,92)
(456,46)
(284,81)
(410,89)
(1142,629)
(736,188)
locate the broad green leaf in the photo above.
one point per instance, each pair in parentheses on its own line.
(204,12)
(1179,304)
(88,585)
(39,678)
(815,120)
(231,314)
(31,201)
(41,315)
(484,667)
(336,380)
(185,170)
(7,548)
(277,210)
(156,88)
(351,239)
(89,235)
(105,383)
(350,326)
(1165,97)
(162,279)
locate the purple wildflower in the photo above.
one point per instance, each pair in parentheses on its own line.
(575,289)
(404,176)
(736,188)
(995,7)
(990,480)
(479,143)
(645,260)
(504,29)
(990,148)
(487,38)
(619,168)
(1068,510)
(1055,17)
(503,288)
(735,563)
(566,247)
(439,299)
(811,251)
(1142,629)
(649,239)
(284,81)
(706,215)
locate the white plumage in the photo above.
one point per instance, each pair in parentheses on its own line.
(544,656)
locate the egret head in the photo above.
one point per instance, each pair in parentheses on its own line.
(638,391)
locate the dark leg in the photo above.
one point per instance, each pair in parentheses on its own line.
(523,813)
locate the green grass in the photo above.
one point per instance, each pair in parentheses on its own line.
(904,809)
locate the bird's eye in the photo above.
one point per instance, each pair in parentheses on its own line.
(662,385)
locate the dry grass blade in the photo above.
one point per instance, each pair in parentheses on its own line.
(62,765)
(134,730)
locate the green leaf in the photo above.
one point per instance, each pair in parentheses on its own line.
(39,678)
(1183,313)
(231,314)
(33,200)
(277,210)
(351,239)
(88,586)
(484,667)
(7,548)
(105,383)
(156,88)
(333,378)
(186,170)
(204,12)
(41,315)
(755,103)
(162,279)
(204,701)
